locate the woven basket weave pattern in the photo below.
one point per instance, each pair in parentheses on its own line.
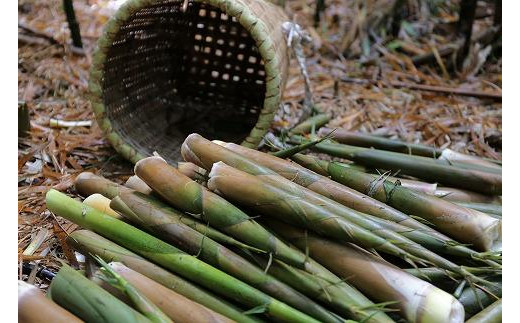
(159,73)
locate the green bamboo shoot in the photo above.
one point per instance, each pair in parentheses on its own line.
(87,300)
(466,225)
(483,181)
(88,242)
(417,300)
(169,228)
(170,257)
(88,183)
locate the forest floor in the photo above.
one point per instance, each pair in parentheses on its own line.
(353,65)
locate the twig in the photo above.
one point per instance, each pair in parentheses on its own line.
(431,88)
(296,38)
(33,33)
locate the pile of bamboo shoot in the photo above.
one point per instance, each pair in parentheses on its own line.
(235,234)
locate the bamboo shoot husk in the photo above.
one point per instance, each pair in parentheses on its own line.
(423,234)
(138,185)
(322,185)
(88,301)
(311,162)
(193,171)
(417,300)
(102,204)
(177,307)
(491,314)
(321,167)
(418,186)
(34,307)
(88,242)
(463,224)
(88,183)
(170,229)
(170,257)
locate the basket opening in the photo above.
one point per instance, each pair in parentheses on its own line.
(170,73)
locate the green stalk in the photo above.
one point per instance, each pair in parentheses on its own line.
(87,300)
(307,125)
(167,225)
(288,152)
(463,224)
(88,242)
(424,168)
(170,257)
(309,162)
(366,140)
(88,183)
(118,204)
(140,301)
(416,300)
(321,167)
(491,314)
(433,274)
(192,198)
(34,307)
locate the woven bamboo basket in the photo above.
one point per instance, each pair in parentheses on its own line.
(161,72)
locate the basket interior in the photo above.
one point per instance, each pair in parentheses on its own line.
(170,73)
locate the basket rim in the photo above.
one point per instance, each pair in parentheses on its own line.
(256,28)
